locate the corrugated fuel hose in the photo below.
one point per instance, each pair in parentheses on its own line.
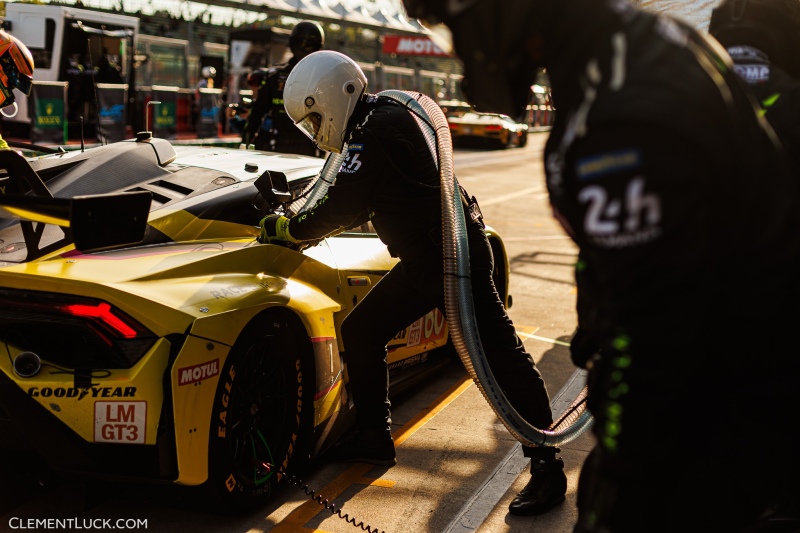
(459,308)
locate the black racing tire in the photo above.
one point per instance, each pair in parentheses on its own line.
(523,140)
(506,141)
(262,415)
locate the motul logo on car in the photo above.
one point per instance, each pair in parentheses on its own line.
(193,374)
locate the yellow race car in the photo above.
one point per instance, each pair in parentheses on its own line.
(476,129)
(148,336)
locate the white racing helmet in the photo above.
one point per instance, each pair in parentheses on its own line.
(321,93)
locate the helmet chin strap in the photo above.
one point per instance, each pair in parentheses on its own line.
(12,115)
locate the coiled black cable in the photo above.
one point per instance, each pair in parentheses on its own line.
(297,482)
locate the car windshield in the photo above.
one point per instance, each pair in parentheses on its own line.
(485,117)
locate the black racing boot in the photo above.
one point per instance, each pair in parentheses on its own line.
(374,446)
(545,490)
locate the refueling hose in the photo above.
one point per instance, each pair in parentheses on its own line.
(459,309)
(325,178)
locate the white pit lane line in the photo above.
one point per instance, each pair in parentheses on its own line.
(475,511)
(511,196)
(479,159)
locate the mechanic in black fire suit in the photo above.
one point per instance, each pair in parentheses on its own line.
(390,178)
(763,39)
(282,136)
(686,217)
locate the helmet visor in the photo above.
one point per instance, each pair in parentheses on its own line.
(24,84)
(310,125)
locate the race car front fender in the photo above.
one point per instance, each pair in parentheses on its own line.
(194,378)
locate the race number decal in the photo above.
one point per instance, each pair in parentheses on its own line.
(621,222)
(120,422)
(427,329)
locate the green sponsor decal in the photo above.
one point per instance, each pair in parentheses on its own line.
(165,115)
(50,113)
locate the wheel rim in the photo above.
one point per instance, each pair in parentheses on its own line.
(259,409)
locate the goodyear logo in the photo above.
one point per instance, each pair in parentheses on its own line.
(81,393)
(355,147)
(595,166)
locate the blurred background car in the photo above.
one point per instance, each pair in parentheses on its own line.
(482,129)
(455,108)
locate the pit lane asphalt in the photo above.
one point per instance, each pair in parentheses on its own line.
(458,468)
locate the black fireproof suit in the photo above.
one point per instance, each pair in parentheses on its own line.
(283,136)
(389,177)
(778,93)
(686,219)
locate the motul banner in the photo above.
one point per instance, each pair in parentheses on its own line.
(47,110)
(208,108)
(164,115)
(111,98)
(411,46)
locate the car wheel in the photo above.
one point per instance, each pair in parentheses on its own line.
(263,413)
(505,139)
(523,139)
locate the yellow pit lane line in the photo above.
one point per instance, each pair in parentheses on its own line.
(355,475)
(527,332)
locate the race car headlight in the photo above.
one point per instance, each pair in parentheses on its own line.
(72,331)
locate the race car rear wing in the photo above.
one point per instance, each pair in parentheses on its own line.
(92,223)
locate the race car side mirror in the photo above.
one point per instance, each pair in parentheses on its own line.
(274,187)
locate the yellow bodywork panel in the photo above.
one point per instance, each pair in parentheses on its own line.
(25,214)
(194,379)
(423,335)
(328,402)
(180,225)
(123,407)
(329,375)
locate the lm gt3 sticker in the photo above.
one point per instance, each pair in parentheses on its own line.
(120,422)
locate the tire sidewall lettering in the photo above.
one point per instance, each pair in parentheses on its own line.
(221,467)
